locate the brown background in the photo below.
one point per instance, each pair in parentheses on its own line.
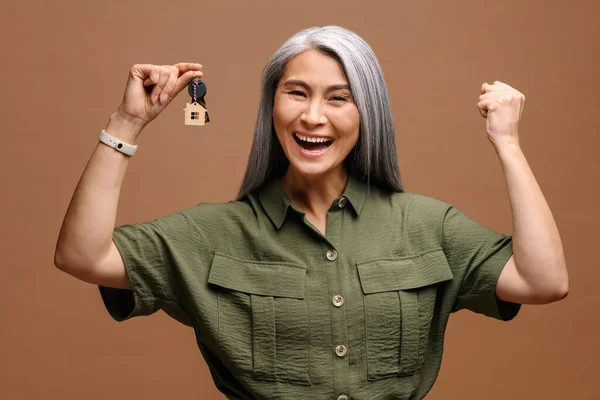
(65,64)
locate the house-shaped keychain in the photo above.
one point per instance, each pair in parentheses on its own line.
(195,114)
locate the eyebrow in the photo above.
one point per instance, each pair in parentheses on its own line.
(306,86)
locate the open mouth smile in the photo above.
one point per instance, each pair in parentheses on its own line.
(312,145)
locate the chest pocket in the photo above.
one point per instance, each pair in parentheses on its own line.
(263,318)
(399,304)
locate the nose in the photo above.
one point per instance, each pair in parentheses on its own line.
(313,114)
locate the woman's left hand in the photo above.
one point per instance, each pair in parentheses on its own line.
(502,106)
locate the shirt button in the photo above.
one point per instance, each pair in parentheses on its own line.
(338,301)
(342,202)
(343,397)
(332,255)
(341,350)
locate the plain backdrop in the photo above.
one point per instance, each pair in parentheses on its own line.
(64,67)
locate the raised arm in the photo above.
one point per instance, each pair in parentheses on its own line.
(85,248)
(537,272)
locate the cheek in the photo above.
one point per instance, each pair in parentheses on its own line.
(276,112)
(283,111)
(348,121)
(282,119)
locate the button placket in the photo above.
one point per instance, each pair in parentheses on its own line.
(333,264)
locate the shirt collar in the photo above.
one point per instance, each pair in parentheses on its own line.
(276,203)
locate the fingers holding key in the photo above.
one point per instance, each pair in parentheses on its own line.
(169,80)
(185,67)
(151,87)
(187,72)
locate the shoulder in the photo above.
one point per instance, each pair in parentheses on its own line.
(412,206)
(201,218)
(225,214)
(419,202)
(414,219)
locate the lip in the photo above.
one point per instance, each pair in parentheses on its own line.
(312,135)
(312,154)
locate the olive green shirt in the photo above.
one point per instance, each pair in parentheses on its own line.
(282,312)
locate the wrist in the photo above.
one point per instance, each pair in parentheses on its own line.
(508,151)
(124,127)
(506,145)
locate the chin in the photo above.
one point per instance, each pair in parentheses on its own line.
(313,169)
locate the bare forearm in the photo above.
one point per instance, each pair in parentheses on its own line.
(86,233)
(537,247)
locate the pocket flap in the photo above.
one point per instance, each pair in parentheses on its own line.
(402,274)
(262,278)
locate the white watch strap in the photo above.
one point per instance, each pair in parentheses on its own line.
(117,144)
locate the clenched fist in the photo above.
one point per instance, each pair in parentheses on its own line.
(502,106)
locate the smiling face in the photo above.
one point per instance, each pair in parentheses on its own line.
(314,114)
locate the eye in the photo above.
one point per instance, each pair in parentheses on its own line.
(340,98)
(297,93)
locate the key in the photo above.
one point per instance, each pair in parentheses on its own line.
(197,91)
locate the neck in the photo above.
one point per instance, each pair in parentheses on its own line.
(314,194)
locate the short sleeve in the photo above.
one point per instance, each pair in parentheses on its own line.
(477,256)
(153,253)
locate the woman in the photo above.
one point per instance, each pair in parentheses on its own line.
(324,279)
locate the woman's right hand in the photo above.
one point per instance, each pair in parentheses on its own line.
(150,88)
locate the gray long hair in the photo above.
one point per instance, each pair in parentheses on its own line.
(373,159)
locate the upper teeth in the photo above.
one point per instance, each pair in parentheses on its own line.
(312,139)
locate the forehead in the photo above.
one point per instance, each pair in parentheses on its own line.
(316,67)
